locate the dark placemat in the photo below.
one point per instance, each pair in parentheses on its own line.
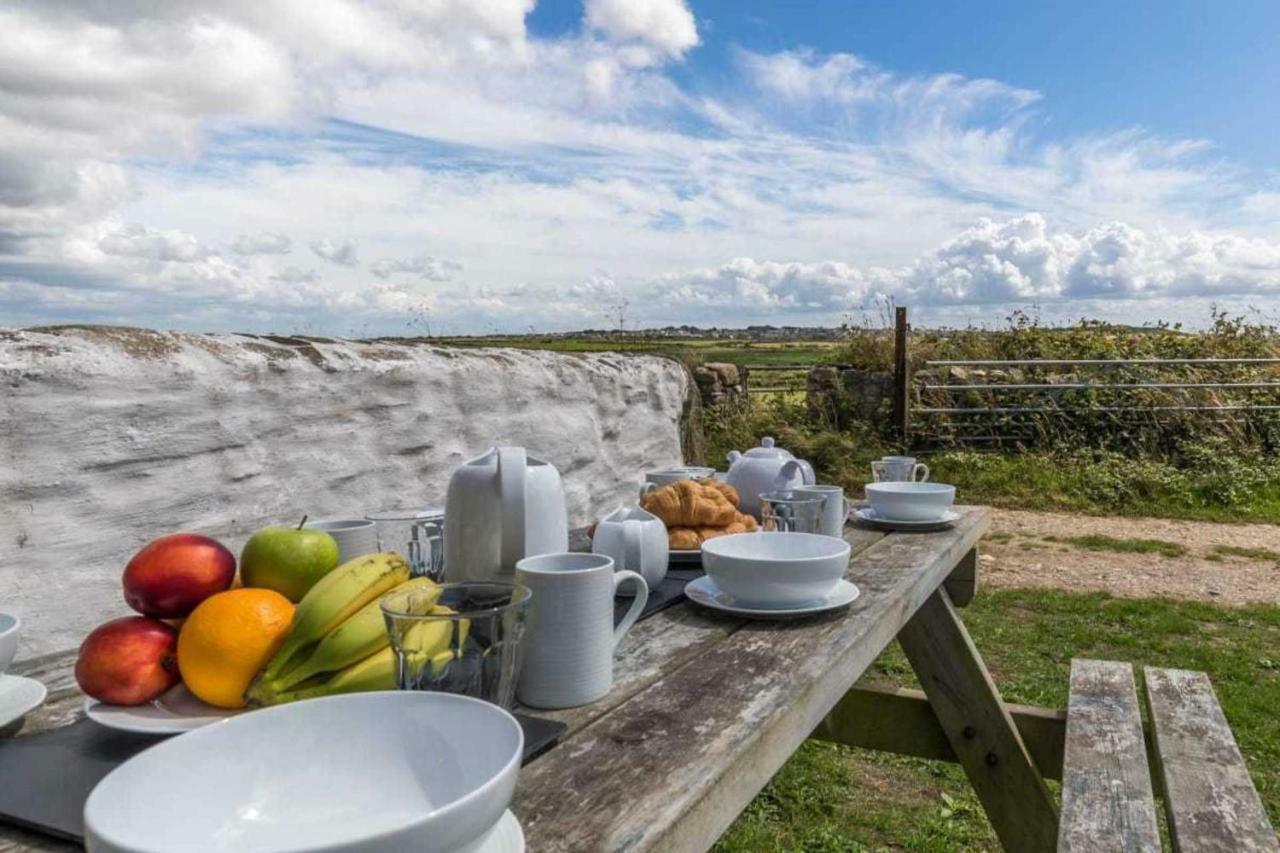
(667,593)
(45,778)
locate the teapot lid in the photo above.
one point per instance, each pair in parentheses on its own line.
(766,450)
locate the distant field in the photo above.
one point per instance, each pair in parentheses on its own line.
(743,352)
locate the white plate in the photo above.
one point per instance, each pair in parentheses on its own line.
(18,695)
(868,515)
(704,591)
(175,712)
(505,837)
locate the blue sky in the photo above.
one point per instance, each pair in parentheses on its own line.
(377,166)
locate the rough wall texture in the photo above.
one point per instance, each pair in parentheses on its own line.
(111,437)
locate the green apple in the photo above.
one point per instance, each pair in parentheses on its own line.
(287,560)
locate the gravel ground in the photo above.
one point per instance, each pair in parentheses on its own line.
(1017,554)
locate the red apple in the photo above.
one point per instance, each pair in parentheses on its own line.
(171,575)
(128,661)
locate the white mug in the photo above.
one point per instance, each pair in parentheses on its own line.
(899,469)
(355,537)
(569,635)
(637,542)
(834,509)
(654,479)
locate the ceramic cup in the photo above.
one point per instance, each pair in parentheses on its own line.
(899,469)
(10,626)
(570,637)
(834,508)
(355,536)
(637,542)
(654,479)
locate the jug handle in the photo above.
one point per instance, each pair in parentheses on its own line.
(512,466)
(631,545)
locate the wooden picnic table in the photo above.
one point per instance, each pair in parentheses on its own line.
(706,708)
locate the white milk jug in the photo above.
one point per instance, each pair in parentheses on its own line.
(637,542)
(500,508)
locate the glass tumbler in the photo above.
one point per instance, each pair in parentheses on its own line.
(459,638)
(791,512)
(418,534)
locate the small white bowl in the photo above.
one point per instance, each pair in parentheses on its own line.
(385,771)
(10,626)
(911,501)
(775,569)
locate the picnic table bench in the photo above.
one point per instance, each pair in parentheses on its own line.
(706,708)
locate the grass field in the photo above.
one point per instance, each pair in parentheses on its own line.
(742,352)
(832,798)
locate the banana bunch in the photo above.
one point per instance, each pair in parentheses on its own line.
(338,643)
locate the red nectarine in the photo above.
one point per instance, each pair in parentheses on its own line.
(171,575)
(128,661)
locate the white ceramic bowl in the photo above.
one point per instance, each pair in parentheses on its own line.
(368,772)
(775,569)
(911,501)
(9,627)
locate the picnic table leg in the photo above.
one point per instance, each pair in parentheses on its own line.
(981,731)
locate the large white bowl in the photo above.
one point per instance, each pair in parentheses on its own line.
(10,626)
(369,772)
(911,501)
(775,569)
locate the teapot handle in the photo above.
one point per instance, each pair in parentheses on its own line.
(512,467)
(788,472)
(631,545)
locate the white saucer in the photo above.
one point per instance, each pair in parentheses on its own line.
(18,695)
(704,591)
(868,515)
(175,712)
(505,837)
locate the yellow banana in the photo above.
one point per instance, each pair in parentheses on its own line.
(364,633)
(376,672)
(334,599)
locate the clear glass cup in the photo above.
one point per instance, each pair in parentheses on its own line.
(459,638)
(418,534)
(791,512)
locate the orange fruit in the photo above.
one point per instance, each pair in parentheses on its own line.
(228,639)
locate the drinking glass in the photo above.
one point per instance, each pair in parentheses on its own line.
(459,638)
(418,534)
(791,512)
(899,469)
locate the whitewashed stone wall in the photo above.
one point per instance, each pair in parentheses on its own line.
(111,437)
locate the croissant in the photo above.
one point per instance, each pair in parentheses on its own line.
(683,539)
(690,504)
(723,488)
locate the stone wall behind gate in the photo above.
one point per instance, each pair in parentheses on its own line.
(111,437)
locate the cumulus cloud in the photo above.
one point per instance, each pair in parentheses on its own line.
(422,266)
(137,241)
(341,253)
(265,243)
(666,26)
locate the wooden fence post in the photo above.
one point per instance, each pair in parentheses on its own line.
(901,378)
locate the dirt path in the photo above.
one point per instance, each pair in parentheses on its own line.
(1039,549)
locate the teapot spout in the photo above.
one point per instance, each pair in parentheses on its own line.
(733,456)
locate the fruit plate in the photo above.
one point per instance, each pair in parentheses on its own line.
(175,712)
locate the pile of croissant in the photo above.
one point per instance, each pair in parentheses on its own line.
(697,510)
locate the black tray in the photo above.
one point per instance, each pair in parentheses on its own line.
(45,778)
(669,592)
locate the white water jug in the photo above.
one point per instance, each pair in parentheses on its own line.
(500,508)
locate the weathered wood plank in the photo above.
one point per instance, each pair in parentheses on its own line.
(962,585)
(673,766)
(899,720)
(1209,797)
(969,708)
(1107,803)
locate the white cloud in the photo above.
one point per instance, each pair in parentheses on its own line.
(422,266)
(341,253)
(664,25)
(265,243)
(137,241)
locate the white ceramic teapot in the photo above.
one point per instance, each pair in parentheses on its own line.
(765,469)
(502,507)
(637,541)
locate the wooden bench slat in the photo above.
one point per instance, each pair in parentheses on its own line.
(1210,799)
(1107,803)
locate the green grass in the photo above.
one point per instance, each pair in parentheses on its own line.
(831,798)
(1101,542)
(742,352)
(1246,553)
